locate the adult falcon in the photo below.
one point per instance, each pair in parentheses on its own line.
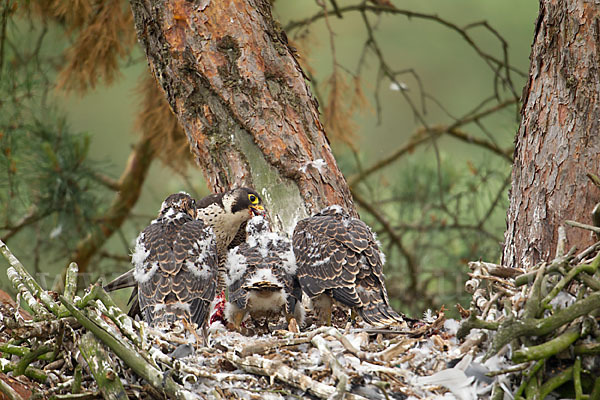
(261,277)
(227,213)
(176,265)
(338,259)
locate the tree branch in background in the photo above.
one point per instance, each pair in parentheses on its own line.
(396,240)
(130,182)
(492,61)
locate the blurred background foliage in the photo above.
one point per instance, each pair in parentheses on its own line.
(420,102)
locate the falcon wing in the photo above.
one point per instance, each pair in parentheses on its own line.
(196,251)
(325,263)
(178,276)
(153,256)
(123,281)
(340,255)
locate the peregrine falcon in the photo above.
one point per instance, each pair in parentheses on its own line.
(227,214)
(176,265)
(261,277)
(338,258)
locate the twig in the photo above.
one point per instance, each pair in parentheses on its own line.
(577,379)
(30,372)
(561,243)
(510,370)
(336,368)
(39,311)
(71,281)
(21,275)
(76,387)
(576,224)
(262,366)
(41,328)
(550,348)
(266,346)
(475,323)
(595,395)
(106,181)
(587,349)
(28,358)
(527,377)
(8,391)
(556,264)
(496,269)
(101,367)
(590,250)
(582,268)
(555,382)
(133,359)
(124,322)
(511,329)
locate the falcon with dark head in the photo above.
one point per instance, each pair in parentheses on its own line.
(176,265)
(339,259)
(261,277)
(227,213)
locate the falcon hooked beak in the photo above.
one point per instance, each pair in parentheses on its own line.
(257,210)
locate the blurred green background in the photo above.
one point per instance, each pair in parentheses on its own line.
(452,75)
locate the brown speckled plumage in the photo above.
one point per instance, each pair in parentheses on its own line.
(176,265)
(338,256)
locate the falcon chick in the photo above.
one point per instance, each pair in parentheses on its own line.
(175,265)
(261,277)
(339,259)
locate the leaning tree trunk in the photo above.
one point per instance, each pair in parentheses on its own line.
(558,141)
(242,99)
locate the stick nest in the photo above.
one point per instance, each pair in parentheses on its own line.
(526,333)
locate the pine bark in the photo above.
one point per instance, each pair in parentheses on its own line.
(236,88)
(557,143)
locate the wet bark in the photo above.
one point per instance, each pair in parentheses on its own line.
(557,143)
(243,101)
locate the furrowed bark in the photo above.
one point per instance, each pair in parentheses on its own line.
(242,99)
(557,144)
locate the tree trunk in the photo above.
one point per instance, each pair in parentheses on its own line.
(243,101)
(557,142)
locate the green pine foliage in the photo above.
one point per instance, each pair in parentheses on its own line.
(444,218)
(48,186)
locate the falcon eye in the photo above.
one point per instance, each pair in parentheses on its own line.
(253,199)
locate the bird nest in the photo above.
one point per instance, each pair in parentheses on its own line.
(525,334)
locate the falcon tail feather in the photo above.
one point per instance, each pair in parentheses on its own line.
(125,281)
(380,315)
(121,282)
